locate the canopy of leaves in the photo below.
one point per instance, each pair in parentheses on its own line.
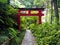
(27,3)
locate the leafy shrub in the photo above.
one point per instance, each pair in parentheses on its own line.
(12,32)
(47,34)
(3,39)
(8,24)
(17,40)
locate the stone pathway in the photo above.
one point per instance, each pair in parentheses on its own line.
(29,39)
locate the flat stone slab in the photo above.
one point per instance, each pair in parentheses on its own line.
(29,39)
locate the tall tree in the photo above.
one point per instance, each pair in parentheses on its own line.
(51,10)
(56,11)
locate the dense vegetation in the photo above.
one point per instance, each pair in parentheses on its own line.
(8,25)
(47,33)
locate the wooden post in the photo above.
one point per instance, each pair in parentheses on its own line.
(40,16)
(40,20)
(18,20)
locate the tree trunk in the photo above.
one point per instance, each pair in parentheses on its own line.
(56,11)
(51,11)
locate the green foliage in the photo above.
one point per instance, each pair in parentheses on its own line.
(3,39)
(38,3)
(26,21)
(27,3)
(8,24)
(58,3)
(5,1)
(47,34)
(12,32)
(17,40)
(6,16)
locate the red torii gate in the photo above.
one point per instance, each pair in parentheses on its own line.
(29,12)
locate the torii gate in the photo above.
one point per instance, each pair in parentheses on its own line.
(29,12)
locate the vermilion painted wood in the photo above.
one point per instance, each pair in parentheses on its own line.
(40,14)
(18,21)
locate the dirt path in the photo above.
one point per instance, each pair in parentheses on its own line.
(29,39)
